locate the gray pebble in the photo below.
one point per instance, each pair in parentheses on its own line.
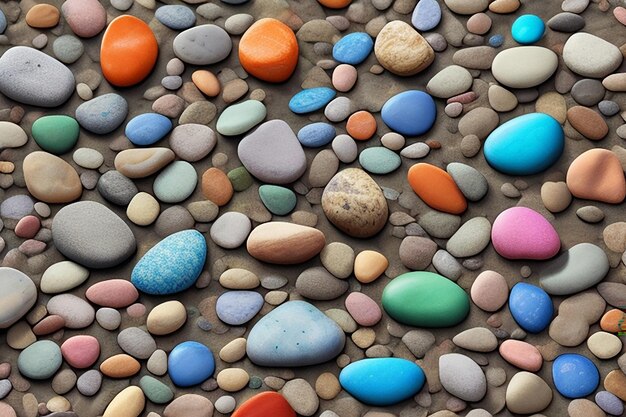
(68,48)
(415,151)
(419,342)
(338,109)
(177,17)
(89,383)
(436,41)
(439,225)
(471,238)
(116,188)
(470,181)
(173,219)
(203,45)
(509,190)
(40,41)
(608,108)
(588,92)
(566,22)
(446,265)
(238,23)
(318,284)
(231,229)
(462,377)
(590,214)
(136,342)
(5,388)
(172,82)
(102,114)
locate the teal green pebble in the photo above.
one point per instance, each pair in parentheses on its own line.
(176,182)
(239,118)
(240,178)
(56,134)
(278,200)
(528,29)
(379,160)
(425,299)
(155,390)
(40,360)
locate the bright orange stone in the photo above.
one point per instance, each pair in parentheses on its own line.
(361,125)
(269,50)
(436,188)
(129,51)
(206,82)
(335,4)
(120,366)
(265,404)
(613,321)
(216,186)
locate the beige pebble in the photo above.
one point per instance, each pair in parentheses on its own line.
(301,396)
(615,237)
(239,279)
(276,297)
(20,336)
(527,393)
(232,379)
(552,103)
(58,404)
(604,345)
(338,259)
(402,50)
(128,403)
(327,386)
(364,337)
(369,265)
(143,209)
(555,196)
(51,179)
(234,350)
(501,99)
(166,318)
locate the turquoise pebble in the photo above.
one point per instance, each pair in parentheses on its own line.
(190,363)
(255,382)
(531,307)
(278,200)
(317,134)
(525,145)
(411,113)
(148,128)
(574,375)
(176,182)
(353,48)
(239,118)
(382,381)
(311,99)
(40,360)
(379,160)
(528,29)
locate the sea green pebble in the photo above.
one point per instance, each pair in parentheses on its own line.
(278,200)
(176,182)
(425,299)
(56,134)
(239,118)
(40,360)
(155,390)
(379,160)
(255,382)
(240,178)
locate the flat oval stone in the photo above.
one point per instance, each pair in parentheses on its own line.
(85,18)
(402,50)
(147,128)
(278,200)
(587,122)
(77,312)
(315,135)
(192,142)
(566,22)
(32,77)
(382,381)
(128,403)
(114,187)
(202,45)
(524,66)
(353,48)
(597,174)
(175,16)
(426,15)
(51,179)
(527,29)
(142,162)
(521,354)
(462,377)
(120,366)
(176,182)
(489,291)
(436,301)
(172,265)
(155,390)
(295,333)
(238,307)
(527,393)
(89,383)
(470,181)
(136,342)
(363,309)
(574,375)
(40,360)
(609,403)
(379,160)
(90,234)
(591,56)
(411,113)
(239,118)
(62,276)
(116,293)
(604,345)
(166,318)
(56,134)
(318,284)
(268,402)
(231,229)
(284,243)
(102,114)
(436,188)
(12,135)
(450,81)
(525,145)
(190,405)
(471,238)
(311,99)
(531,307)
(18,296)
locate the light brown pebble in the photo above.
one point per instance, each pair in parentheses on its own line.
(143,209)
(614,236)
(582,407)
(615,383)
(51,179)
(232,379)
(239,279)
(587,122)
(504,6)
(369,265)
(43,16)
(364,337)
(128,403)
(470,146)
(402,50)
(555,196)
(301,396)
(327,386)
(501,99)
(480,23)
(552,103)
(166,318)
(276,297)
(338,259)
(234,350)
(58,404)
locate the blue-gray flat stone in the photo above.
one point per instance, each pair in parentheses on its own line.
(203,45)
(102,114)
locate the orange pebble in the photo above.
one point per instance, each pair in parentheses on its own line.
(361,125)
(335,4)
(269,50)
(206,82)
(129,51)
(613,321)
(265,404)
(216,186)
(436,188)
(120,366)
(43,16)
(369,265)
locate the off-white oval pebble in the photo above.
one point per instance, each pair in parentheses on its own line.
(604,345)
(234,350)
(63,276)
(88,158)
(239,279)
(393,141)
(166,318)
(11,135)
(225,404)
(232,379)
(143,209)
(524,66)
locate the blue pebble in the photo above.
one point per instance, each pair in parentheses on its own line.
(311,99)
(177,17)
(147,128)
(382,381)
(574,375)
(528,29)
(525,145)
(609,403)
(411,113)
(426,15)
(496,41)
(190,363)
(3,22)
(238,307)
(531,307)
(353,48)
(317,134)
(172,265)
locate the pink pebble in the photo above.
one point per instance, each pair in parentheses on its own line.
(136,310)
(522,233)
(489,291)
(363,309)
(464,98)
(620,14)
(27,227)
(86,18)
(480,23)
(521,354)
(115,293)
(344,77)
(81,351)
(32,247)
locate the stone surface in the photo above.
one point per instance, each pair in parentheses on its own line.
(402,50)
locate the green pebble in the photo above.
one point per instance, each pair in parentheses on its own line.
(239,118)
(379,160)
(56,134)
(425,299)
(40,360)
(240,178)
(255,382)
(278,200)
(155,390)
(176,182)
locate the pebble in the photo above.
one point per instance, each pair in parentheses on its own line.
(476,57)
(527,393)
(478,339)
(521,354)
(581,49)
(410,113)
(369,265)
(586,180)
(190,363)
(379,160)
(55,134)
(284,243)
(338,259)
(343,79)
(315,135)
(265,402)
(231,122)
(301,396)
(363,309)
(155,390)
(85,18)
(143,209)
(609,403)
(232,379)
(157,363)
(402,50)
(479,23)
(116,188)
(116,293)
(225,404)
(527,29)
(471,238)
(566,22)
(190,405)
(614,383)
(216,186)
(40,360)
(524,66)
(278,200)
(531,307)
(555,196)
(147,128)
(574,375)
(202,45)
(81,351)
(462,377)
(574,6)
(19,296)
(108,318)
(436,188)
(120,366)
(450,81)
(311,99)
(13,136)
(353,48)
(177,17)
(230,230)
(608,108)
(176,182)
(102,114)
(3,22)
(166,318)
(42,16)
(50,178)
(238,307)
(426,15)
(470,181)
(88,158)
(318,284)
(587,122)
(77,312)
(128,403)
(338,109)
(501,99)
(237,24)
(604,345)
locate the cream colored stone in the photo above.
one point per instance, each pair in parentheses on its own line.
(143,209)
(524,66)
(166,318)
(234,350)
(232,379)
(402,50)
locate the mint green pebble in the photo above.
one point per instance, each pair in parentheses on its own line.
(278,200)
(176,182)
(155,390)
(240,178)
(56,134)
(379,160)
(40,360)
(239,118)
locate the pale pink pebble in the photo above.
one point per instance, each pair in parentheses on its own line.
(116,293)
(32,247)
(522,233)
(344,77)
(521,354)
(464,98)
(480,23)
(27,227)
(620,14)
(489,291)
(363,309)
(5,370)
(136,310)
(6,410)
(81,351)
(453,109)
(86,18)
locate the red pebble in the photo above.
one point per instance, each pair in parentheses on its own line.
(265,404)
(115,293)
(81,351)
(27,227)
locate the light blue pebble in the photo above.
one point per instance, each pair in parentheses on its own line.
(172,265)
(528,29)
(525,145)
(531,307)
(311,99)
(610,403)
(353,48)
(177,17)
(190,363)
(411,113)
(17,206)
(3,22)
(40,360)
(382,381)
(238,307)
(148,128)
(176,182)
(574,375)
(379,160)
(426,15)
(496,41)
(317,134)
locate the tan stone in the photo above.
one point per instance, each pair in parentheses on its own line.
(239,279)
(43,16)
(615,82)
(189,405)
(216,186)
(234,350)
(51,179)
(285,243)
(555,196)
(143,162)
(166,318)
(467,7)
(327,386)
(615,383)
(232,379)
(128,403)
(553,104)
(504,6)
(402,50)
(143,209)
(120,366)
(369,265)
(527,393)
